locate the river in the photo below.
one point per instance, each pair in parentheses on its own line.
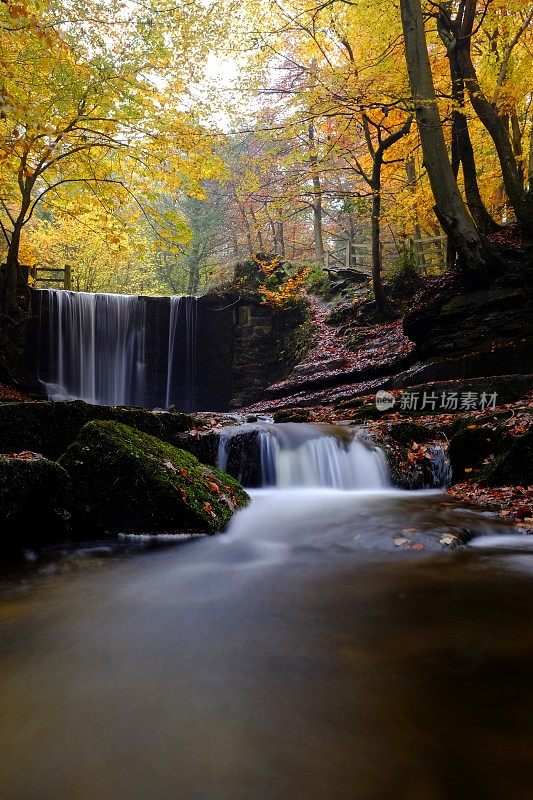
(302,655)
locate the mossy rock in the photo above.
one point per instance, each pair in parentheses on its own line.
(33,496)
(292,415)
(470,447)
(49,427)
(125,480)
(513,464)
(407,432)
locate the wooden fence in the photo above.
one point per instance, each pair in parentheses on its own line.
(55,275)
(427,253)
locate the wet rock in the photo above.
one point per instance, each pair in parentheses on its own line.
(513,463)
(416,458)
(292,415)
(50,427)
(469,448)
(125,480)
(33,497)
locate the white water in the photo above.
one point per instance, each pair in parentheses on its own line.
(175,304)
(309,455)
(96,347)
(181,387)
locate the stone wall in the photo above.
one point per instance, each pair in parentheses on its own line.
(241,347)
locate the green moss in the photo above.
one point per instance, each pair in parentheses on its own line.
(126,480)
(513,464)
(50,427)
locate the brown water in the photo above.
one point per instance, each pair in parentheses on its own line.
(302,656)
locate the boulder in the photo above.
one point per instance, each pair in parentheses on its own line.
(49,427)
(33,496)
(416,456)
(470,447)
(477,312)
(513,463)
(126,480)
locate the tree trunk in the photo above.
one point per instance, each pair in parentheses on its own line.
(317,198)
(194,271)
(8,297)
(411,180)
(280,238)
(462,145)
(449,206)
(382,303)
(521,202)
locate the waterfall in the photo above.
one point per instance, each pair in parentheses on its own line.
(310,455)
(181,388)
(95,347)
(175,304)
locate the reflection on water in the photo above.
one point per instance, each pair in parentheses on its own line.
(302,656)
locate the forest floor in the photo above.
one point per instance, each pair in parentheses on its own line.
(10,395)
(337,383)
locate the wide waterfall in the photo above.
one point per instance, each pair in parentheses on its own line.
(308,455)
(93,347)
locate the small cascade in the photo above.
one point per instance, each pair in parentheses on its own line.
(95,347)
(308,455)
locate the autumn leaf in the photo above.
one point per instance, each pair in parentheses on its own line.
(184,493)
(448,539)
(401,540)
(208,508)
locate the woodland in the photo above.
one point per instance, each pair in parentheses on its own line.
(265,272)
(154,148)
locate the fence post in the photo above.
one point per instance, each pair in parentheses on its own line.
(68,277)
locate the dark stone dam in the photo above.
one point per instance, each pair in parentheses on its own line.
(205,353)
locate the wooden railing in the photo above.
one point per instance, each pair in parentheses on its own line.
(428,253)
(55,275)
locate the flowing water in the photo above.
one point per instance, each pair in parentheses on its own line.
(302,655)
(93,347)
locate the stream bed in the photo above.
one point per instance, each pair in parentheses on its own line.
(303,655)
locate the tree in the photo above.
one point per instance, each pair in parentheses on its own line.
(449,205)
(89,120)
(457,30)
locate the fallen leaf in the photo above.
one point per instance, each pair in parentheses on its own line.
(208,508)
(448,539)
(400,540)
